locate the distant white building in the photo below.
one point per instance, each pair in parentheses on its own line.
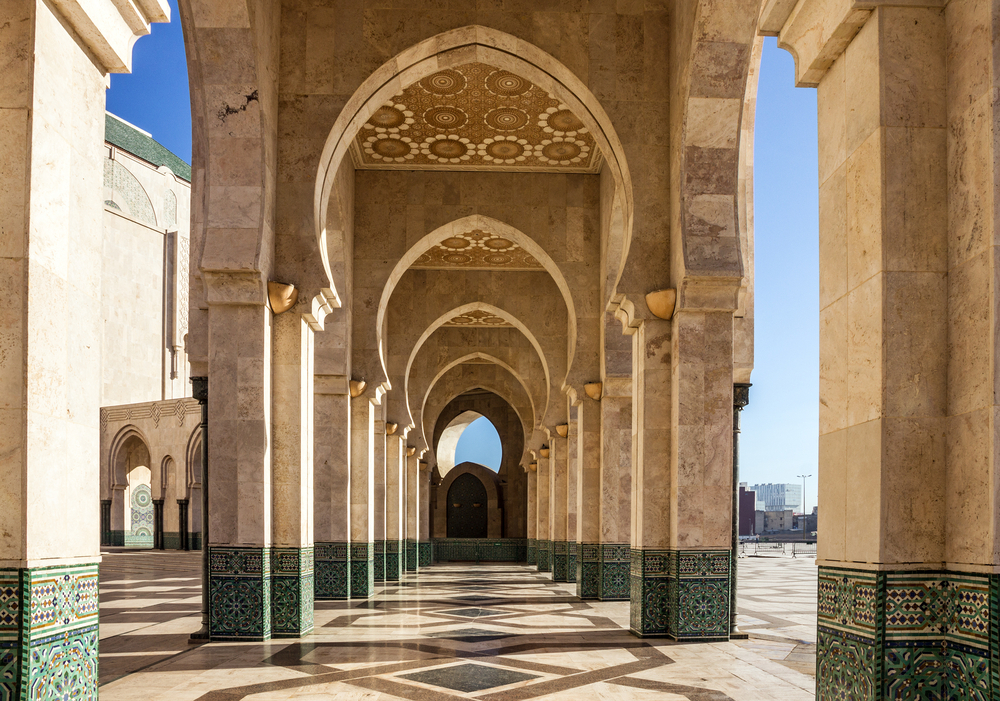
(778,497)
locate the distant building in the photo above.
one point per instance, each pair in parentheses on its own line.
(774,521)
(778,497)
(747,508)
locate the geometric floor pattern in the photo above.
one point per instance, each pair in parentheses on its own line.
(456,631)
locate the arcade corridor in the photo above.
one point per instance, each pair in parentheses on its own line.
(454,631)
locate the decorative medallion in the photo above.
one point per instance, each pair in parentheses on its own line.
(477,250)
(476,117)
(478,317)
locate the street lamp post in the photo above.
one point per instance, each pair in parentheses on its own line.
(804,514)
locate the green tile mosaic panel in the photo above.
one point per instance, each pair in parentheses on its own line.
(560,552)
(425,553)
(410,558)
(378,561)
(49,633)
(239,598)
(291,592)
(614,582)
(393,560)
(532,551)
(362,570)
(683,594)
(480,549)
(571,556)
(332,570)
(544,555)
(907,635)
(588,570)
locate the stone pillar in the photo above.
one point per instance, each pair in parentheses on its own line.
(681,492)
(572,476)
(332,478)
(378,496)
(587,531)
(532,514)
(543,492)
(412,508)
(615,490)
(425,548)
(395,457)
(362,555)
(558,470)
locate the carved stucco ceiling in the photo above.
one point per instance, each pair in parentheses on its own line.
(475,117)
(478,317)
(477,250)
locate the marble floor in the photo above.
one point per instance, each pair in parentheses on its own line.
(494,632)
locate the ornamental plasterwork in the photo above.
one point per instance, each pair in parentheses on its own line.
(477,318)
(475,117)
(477,250)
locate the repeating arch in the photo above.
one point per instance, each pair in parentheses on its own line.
(116,475)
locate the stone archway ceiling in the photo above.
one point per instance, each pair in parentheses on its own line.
(475,117)
(476,250)
(478,317)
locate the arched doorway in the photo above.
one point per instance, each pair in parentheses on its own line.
(467,508)
(139,508)
(131,492)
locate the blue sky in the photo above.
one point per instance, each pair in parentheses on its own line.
(779,439)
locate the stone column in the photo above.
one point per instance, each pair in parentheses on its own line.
(616,489)
(681,492)
(378,497)
(558,470)
(412,508)
(587,533)
(543,492)
(572,476)
(532,514)
(362,555)
(395,457)
(425,548)
(332,478)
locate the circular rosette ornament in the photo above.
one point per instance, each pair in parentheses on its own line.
(560,121)
(390,118)
(506,150)
(449,148)
(562,150)
(445,117)
(390,148)
(506,84)
(446,82)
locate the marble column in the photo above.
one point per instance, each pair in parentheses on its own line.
(615,506)
(572,465)
(363,439)
(532,514)
(681,492)
(587,531)
(292,477)
(332,478)
(558,470)
(51,152)
(378,498)
(425,548)
(395,457)
(412,508)
(543,492)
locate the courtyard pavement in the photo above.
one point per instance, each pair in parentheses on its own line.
(456,631)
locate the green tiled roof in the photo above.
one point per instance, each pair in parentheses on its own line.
(128,138)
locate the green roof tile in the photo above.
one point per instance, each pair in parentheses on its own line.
(128,138)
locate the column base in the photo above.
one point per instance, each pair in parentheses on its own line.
(588,570)
(362,570)
(291,592)
(332,571)
(907,634)
(680,594)
(393,560)
(532,551)
(571,554)
(239,593)
(410,559)
(559,556)
(48,632)
(544,555)
(379,561)
(614,576)
(425,553)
